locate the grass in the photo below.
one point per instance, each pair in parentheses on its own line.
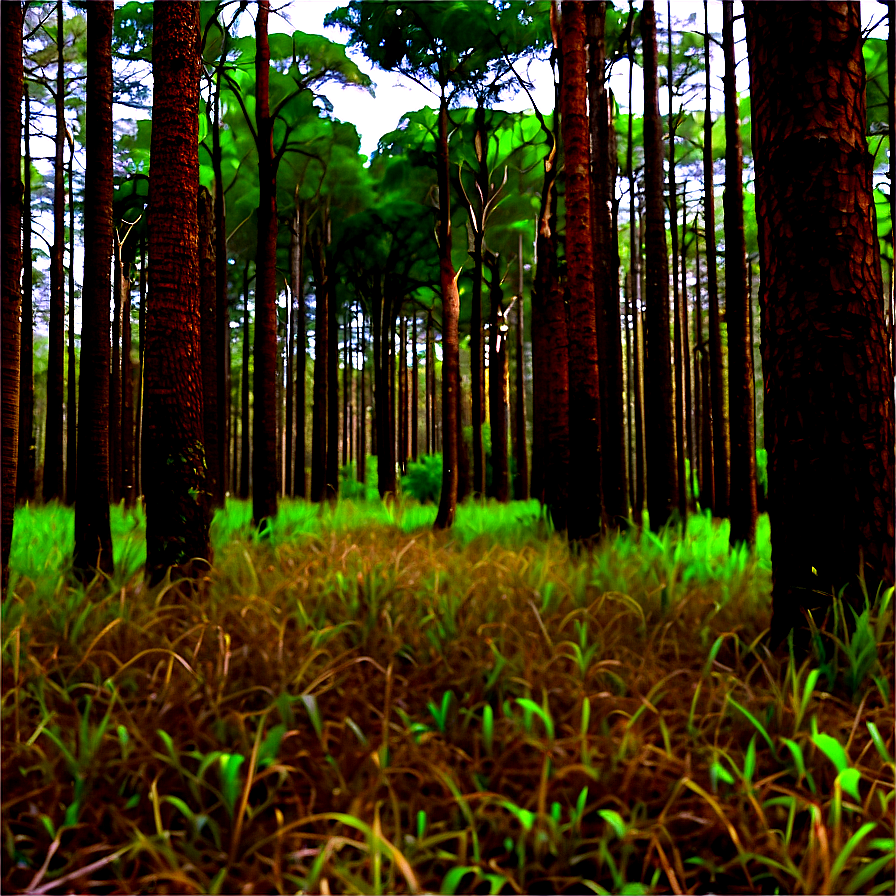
(361,705)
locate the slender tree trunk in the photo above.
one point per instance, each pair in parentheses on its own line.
(245,443)
(300,231)
(717,382)
(177,512)
(584,509)
(321,348)
(640,365)
(141,334)
(477,361)
(402,394)
(11,196)
(264,430)
(824,339)
(362,405)
(606,286)
(127,383)
(222,310)
(497,382)
(737,306)
(430,388)
(289,484)
(27,456)
(415,406)
(520,443)
(332,465)
(662,487)
(208,273)
(71,412)
(450,345)
(115,377)
(707,485)
(690,437)
(53,454)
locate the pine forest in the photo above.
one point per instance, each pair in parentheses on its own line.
(447,447)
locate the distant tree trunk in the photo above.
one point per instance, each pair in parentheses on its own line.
(584,508)
(11,195)
(53,454)
(27,456)
(707,483)
(177,511)
(127,383)
(290,435)
(403,394)
(678,360)
(606,286)
(662,487)
(450,345)
(519,438)
(477,361)
(245,443)
(429,377)
(115,377)
(640,365)
(497,381)
(717,383)
(321,348)
(382,439)
(690,437)
(264,430)
(362,403)
(332,465)
(71,410)
(208,273)
(737,306)
(298,273)
(141,333)
(415,406)
(824,340)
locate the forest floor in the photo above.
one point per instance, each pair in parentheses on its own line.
(360,705)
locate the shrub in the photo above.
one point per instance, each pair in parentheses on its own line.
(423,479)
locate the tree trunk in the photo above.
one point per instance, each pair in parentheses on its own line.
(690,437)
(362,404)
(606,286)
(497,382)
(640,366)
(332,465)
(429,388)
(737,307)
(141,333)
(824,340)
(717,383)
(415,406)
(477,360)
(450,345)
(298,273)
(245,443)
(584,509)
(53,455)
(11,196)
(127,382)
(208,273)
(115,378)
(519,437)
(381,337)
(177,509)
(321,347)
(662,485)
(71,410)
(27,457)
(264,430)
(403,394)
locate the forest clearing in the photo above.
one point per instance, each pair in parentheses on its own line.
(447,447)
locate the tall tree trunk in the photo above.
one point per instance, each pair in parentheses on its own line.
(298,273)
(362,404)
(477,361)
(53,455)
(707,484)
(584,509)
(382,439)
(415,400)
(717,382)
(245,443)
(115,377)
(606,286)
(662,485)
(208,273)
(497,381)
(27,456)
(290,434)
(321,348)
(127,382)
(429,388)
(403,394)
(450,345)
(824,340)
(11,196)
(141,334)
(689,417)
(640,366)
(264,430)
(332,465)
(71,410)
(737,307)
(519,438)
(177,510)
(678,359)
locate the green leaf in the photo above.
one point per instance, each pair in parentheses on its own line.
(830,747)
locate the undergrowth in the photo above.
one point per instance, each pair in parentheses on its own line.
(361,705)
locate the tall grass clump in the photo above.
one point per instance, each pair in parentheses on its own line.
(360,705)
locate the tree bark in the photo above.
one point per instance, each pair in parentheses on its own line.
(114,405)
(519,435)
(177,512)
(208,280)
(477,360)
(497,382)
(662,485)
(141,334)
(415,400)
(742,499)
(127,380)
(824,339)
(584,509)
(298,273)
(11,196)
(71,410)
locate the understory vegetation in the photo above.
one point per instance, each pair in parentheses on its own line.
(362,705)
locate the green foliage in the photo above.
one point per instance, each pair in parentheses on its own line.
(423,480)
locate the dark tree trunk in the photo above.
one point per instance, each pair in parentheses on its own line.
(321,348)
(717,382)
(584,508)
(824,340)
(450,344)
(415,406)
(640,345)
(477,360)
(290,434)
(497,381)
(208,274)
(141,334)
(332,465)
(27,456)
(93,537)
(707,476)
(690,439)
(429,389)
(662,487)
(71,410)
(127,383)
(264,430)
(11,196)
(245,442)
(115,378)
(678,360)
(519,439)
(298,273)
(222,312)
(362,404)
(737,307)
(402,394)
(606,286)
(177,510)
(382,438)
